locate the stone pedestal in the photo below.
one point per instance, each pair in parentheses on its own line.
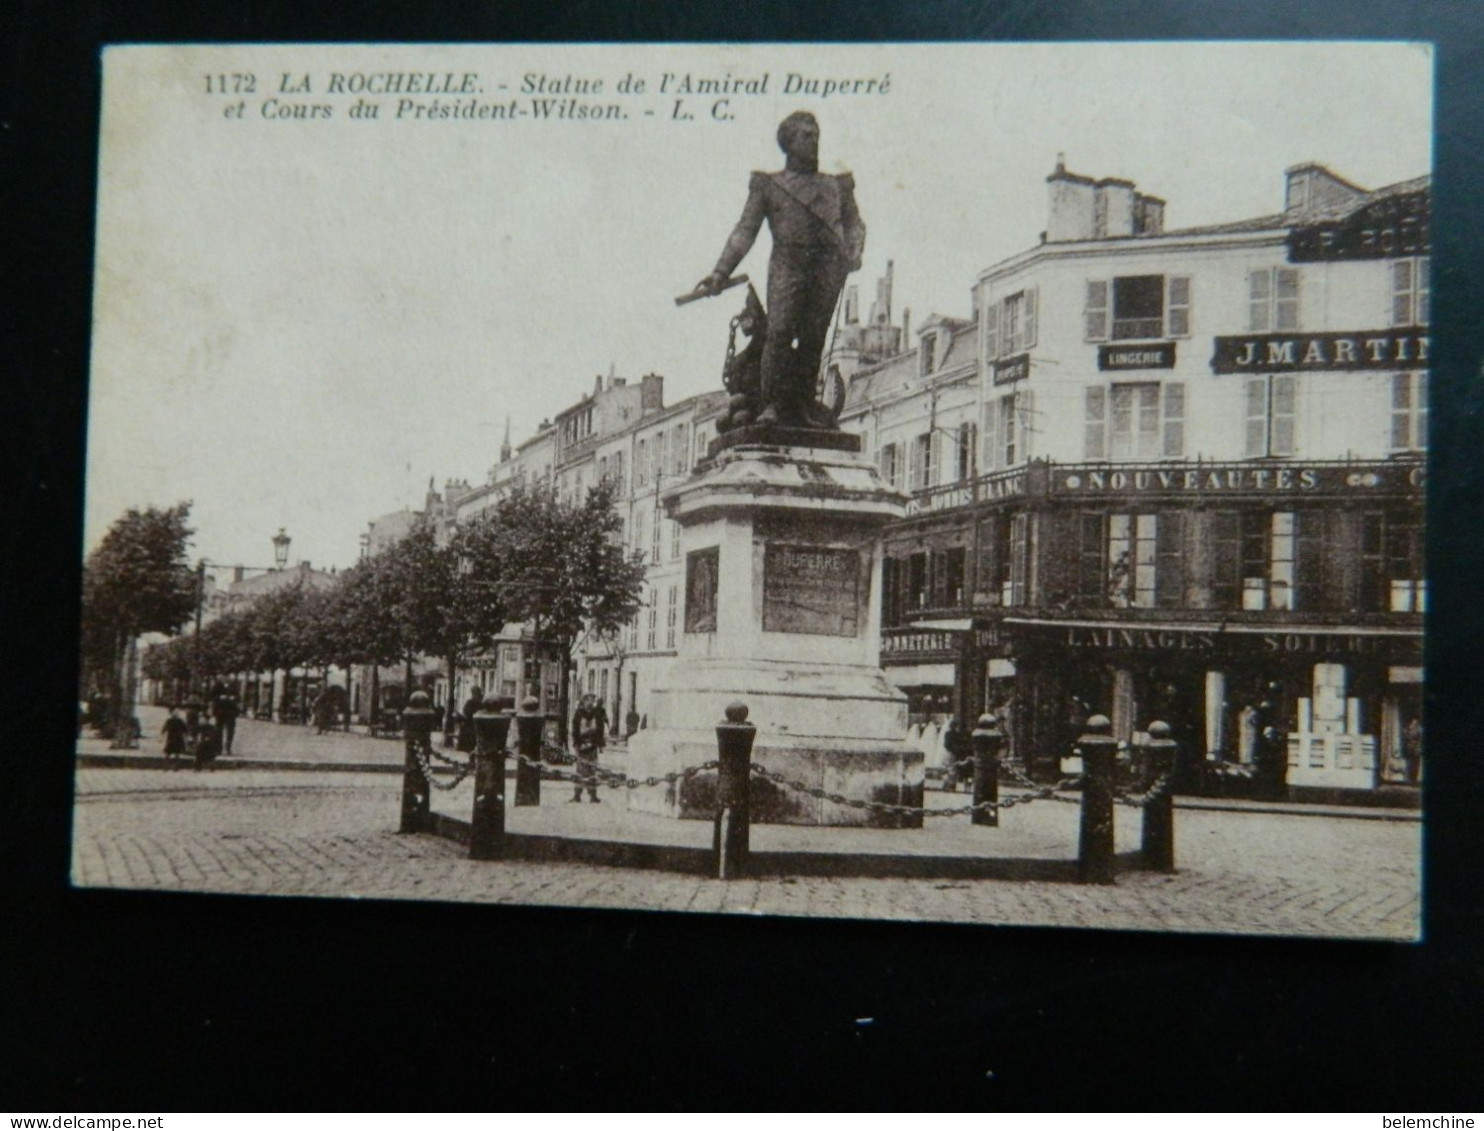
(782,556)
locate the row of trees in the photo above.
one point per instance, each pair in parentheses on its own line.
(534,558)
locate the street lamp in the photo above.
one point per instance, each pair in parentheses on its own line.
(281,548)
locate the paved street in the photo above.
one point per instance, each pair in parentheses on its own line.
(333,834)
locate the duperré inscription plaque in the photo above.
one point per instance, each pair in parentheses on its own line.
(811,589)
(702,568)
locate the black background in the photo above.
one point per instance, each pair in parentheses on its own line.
(119,1001)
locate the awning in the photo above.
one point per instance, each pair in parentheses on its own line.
(920,675)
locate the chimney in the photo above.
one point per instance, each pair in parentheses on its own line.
(1149,215)
(1113,208)
(852,309)
(906,325)
(236,574)
(612,369)
(651,393)
(597,384)
(1071,204)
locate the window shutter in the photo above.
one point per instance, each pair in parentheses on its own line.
(1422,284)
(1257,416)
(1023,410)
(1285,390)
(1095,431)
(1174,419)
(992,331)
(1019,529)
(991,456)
(1226,538)
(1030,316)
(1259,291)
(1169,569)
(1095,311)
(1286,298)
(1177,318)
(1401,292)
(935,460)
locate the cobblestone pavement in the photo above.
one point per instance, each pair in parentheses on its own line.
(334,835)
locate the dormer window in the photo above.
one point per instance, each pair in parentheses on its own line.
(928,353)
(1298,191)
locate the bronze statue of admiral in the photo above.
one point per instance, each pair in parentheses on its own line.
(818,237)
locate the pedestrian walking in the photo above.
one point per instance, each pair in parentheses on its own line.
(324,711)
(955,751)
(224,709)
(464,741)
(207,745)
(589,727)
(174,732)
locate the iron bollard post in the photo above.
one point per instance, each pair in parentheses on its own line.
(530,725)
(487,825)
(729,843)
(1158,848)
(417,730)
(1098,748)
(988,742)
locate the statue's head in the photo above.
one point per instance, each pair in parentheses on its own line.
(798,136)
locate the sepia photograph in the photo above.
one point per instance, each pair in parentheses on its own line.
(973,483)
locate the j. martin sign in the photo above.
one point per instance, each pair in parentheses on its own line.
(1285,353)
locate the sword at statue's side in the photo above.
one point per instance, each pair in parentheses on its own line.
(709,292)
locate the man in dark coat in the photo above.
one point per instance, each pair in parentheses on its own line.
(589,731)
(818,238)
(225,709)
(472,706)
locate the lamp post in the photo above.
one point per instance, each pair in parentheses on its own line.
(281,548)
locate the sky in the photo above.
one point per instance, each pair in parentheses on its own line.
(298,320)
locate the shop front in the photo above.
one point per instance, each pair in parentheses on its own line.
(1298,712)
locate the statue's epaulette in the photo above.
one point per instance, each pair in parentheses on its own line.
(847,180)
(759,181)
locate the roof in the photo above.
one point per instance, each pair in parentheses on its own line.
(1299,217)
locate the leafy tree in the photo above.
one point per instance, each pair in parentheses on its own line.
(138,580)
(564,566)
(273,620)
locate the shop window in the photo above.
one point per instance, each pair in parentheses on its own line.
(891,594)
(1271,413)
(1133,307)
(1273,300)
(994,559)
(1144,421)
(1391,562)
(917,581)
(1410,292)
(1408,412)
(1272,560)
(1132,559)
(953,573)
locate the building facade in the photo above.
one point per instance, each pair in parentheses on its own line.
(1178,475)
